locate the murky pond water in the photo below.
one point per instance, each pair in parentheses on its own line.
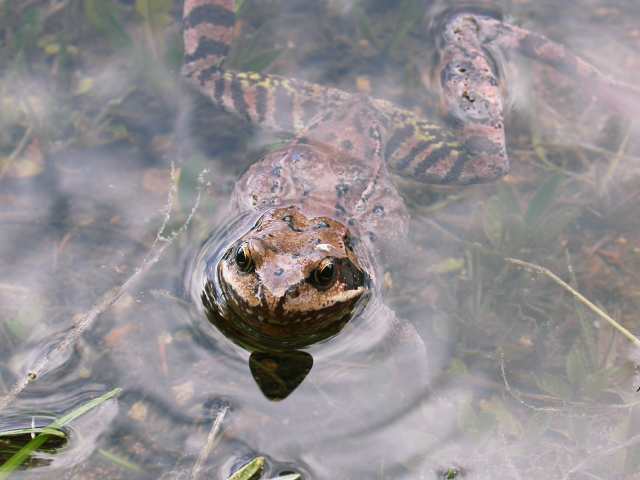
(495,373)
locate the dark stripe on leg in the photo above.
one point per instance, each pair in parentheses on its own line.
(398,138)
(310,109)
(237,95)
(207,47)
(284,108)
(261,103)
(432,159)
(208,73)
(454,173)
(218,90)
(406,161)
(212,14)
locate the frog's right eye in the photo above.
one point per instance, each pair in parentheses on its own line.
(243,258)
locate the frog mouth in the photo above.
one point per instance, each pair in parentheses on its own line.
(342,305)
(277,332)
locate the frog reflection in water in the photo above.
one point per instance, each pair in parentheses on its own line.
(326,205)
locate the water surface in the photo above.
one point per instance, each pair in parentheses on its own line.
(503,374)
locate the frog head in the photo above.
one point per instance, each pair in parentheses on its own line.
(292,276)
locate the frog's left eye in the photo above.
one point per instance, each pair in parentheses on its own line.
(243,258)
(324,275)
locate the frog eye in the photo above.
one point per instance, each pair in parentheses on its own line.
(324,275)
(243,258)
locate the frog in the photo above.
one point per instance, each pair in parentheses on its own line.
(326,205)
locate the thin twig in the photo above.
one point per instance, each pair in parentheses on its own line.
(17,151)
(160,244)
(592,456)
(615,162)
(212,441)
(597,310)
(516,396)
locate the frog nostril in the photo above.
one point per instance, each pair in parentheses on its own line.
(293,292)
(279,272)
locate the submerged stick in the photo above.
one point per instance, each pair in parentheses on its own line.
(584,300)
(160,244)
(212,441)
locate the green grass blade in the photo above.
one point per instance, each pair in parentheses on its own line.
(82,409)
(21,455)
(542,200)
(27,431)
(239,6)
(120,461)
(25,452)
(250,470)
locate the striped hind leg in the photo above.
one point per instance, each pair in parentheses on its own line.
(542,49)
(473,149)
(470,148)
(272,101)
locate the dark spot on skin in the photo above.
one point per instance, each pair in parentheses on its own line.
(317,241)
(340,210)
(276,171)
(358,124)
(279,272)
(295,255)
(341,190)
(330,137)
(347,145)
(372,236)
(350,242)
(378,210)
(288,219)
(293,292)
(351,222)
(321,225)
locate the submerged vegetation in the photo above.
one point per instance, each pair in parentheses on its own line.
(91,86)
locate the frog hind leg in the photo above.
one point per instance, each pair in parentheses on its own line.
(509,37)
(470,146)
(271,101)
